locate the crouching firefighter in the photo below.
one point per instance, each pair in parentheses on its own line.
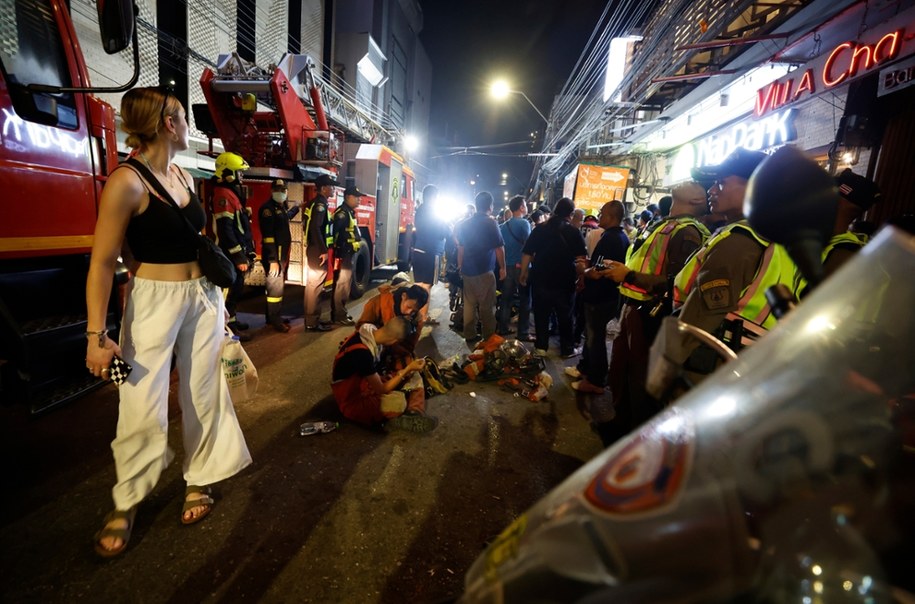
(233,229)
(273,218)
(368,397)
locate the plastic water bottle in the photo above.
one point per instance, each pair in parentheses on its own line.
(309,428)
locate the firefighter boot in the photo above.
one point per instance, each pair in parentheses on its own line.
(274,318)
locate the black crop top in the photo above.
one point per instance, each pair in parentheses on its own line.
(160,236)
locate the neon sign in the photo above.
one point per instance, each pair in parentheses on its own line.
(847,61)
(756,135)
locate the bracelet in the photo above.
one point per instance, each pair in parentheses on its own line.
(100,334)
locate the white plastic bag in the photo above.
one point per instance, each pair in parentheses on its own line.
(241,375)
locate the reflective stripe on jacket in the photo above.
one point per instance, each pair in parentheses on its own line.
(651,256)
(775,267)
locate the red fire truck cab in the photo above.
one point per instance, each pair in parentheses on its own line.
(57,145)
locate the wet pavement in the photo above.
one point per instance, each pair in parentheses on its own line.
(354,515)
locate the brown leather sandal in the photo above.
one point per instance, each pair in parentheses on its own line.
(205,501)
(118,533)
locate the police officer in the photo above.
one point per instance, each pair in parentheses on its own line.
(233,229)
(273,219)
(644,283)
(728,277)
(317,241)
(347,241)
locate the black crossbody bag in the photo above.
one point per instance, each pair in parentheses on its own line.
(214,264)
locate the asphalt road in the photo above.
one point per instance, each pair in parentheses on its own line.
(354,515)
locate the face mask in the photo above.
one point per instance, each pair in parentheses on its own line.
(279,196)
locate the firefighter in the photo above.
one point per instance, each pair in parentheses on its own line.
(347,241)
(318,240)
(233,229)
(273,219)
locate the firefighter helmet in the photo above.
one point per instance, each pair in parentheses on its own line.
(228,164)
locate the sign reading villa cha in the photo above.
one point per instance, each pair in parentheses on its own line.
(848,61)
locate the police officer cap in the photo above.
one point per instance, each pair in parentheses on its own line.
(279,184)
(857,189)
(355,192)
(741,162)
(325,181)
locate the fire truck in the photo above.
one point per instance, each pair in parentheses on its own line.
(286,123)
(57,145)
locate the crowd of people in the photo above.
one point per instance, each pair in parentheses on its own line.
(693,254)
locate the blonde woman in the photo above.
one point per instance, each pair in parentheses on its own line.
(171,309)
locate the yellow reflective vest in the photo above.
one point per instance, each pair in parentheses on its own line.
(775,267)
(652,253)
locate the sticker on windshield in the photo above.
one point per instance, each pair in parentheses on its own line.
(649,472)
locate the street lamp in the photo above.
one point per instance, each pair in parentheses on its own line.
(500,90)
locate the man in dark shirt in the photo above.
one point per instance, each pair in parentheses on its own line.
(428,245)
(480,248)
(558,252)
(317,233)
(600,298)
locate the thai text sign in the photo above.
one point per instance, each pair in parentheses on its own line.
(596,185)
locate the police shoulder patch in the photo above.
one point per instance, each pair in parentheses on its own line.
(717,297)
(320,207)
(267,212)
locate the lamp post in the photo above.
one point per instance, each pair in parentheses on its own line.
(500,90)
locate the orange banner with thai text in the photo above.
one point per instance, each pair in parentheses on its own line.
(596,185)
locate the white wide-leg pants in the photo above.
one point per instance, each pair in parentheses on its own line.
(187,318)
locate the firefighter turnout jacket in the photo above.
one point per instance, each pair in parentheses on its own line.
(318,236)
(347,238)
(233,226)
(273,219)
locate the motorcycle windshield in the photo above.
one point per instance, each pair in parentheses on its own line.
(788,475)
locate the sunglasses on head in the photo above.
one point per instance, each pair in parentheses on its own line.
(167,90)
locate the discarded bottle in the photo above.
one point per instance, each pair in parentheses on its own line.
(309,428)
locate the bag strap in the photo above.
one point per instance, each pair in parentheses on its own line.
(150,178)
(508,227)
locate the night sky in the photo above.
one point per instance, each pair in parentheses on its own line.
(535,44)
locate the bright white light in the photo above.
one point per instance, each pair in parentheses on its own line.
(449,206)
(847,157)
(499,89)
(504,175)
(410,143)
(616,65)
(819,324)
(816,569)
(723,406)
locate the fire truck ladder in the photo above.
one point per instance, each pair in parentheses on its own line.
(342,111)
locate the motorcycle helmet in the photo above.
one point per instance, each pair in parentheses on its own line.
(228,164)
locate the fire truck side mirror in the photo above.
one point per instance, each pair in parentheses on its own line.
(116,20)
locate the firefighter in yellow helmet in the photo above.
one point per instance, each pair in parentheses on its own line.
(273,218)
(233,229)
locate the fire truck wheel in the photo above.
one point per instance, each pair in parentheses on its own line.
(362,272)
